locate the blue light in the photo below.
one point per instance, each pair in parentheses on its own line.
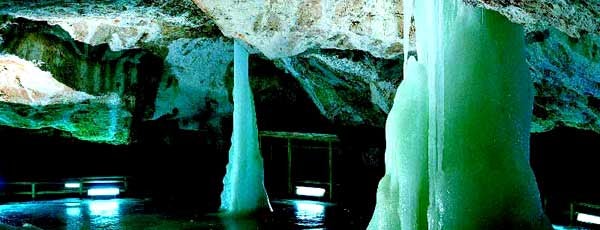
(310,191)
(310,213)
(73,211)
(108,208)
(559,227)
(103,191)
(72,204)
(72,185)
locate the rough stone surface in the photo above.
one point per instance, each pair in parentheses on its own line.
(566,74)
(575,18)
(120,24)
(120,83)
(344,53)
(286,28)
(349,88)
(23,82)
(564,69)
(31,98)
(194,82)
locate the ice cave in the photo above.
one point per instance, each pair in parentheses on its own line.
(299,114)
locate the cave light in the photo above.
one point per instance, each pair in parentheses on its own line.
(108,191)
(72,185)
(310,191)
(104,181)
(587,218)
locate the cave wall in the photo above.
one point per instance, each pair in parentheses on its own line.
(154,99)
(349,73)
(566,74)
(564,66)
(119,81)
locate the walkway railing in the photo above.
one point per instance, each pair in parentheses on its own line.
(317,137)
(70,186)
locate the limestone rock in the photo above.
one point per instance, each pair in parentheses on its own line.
(566,74)
(574,18)
(343,53)
(120,24)
(194,82)
(96,95)
(31,98)
(286,28)
(23,82)
(350,88)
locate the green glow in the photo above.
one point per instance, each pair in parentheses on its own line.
(457,137)
(94,120)
(31,98)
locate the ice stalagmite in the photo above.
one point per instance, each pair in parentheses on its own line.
(243,185)
(457,137)
(404,186)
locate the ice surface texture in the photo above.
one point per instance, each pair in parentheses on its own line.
(243,186)
(457,137)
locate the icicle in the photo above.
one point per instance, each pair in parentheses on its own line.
(243,185)
(458,133)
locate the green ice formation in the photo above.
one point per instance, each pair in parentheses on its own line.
(243,186)
(457,137)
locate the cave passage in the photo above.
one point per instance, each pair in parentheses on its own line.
(117,115)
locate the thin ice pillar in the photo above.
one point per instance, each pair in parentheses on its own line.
(243,186)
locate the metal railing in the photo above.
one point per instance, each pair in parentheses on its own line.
(37,188)
(329,139)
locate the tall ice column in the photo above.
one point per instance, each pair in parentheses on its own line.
(457,137)
(243,186)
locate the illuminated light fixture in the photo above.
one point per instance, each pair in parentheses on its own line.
(72,185)
(103,191)
(310,191)
(587,218)
(103,181)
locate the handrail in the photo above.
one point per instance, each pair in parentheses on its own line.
(320,137)
(35,190)
(86,180)
(301,136)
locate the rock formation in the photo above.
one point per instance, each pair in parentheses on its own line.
(344,54)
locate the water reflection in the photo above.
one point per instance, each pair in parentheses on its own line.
(104,214)
(295,214)
(107,208)
(309,213)
(140,214)
(73,214)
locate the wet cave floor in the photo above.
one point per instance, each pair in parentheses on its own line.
(130,213)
